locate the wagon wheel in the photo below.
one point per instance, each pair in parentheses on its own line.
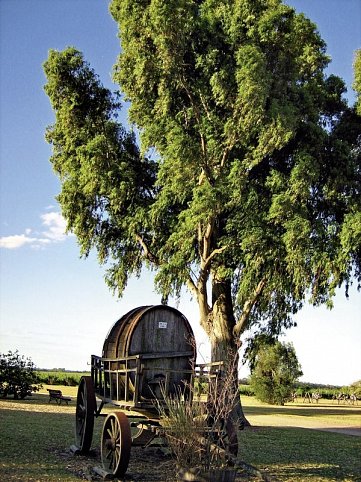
(116,443)
(85,410)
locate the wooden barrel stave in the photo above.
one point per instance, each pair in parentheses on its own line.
(164,339)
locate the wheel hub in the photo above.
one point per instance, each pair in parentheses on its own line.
(110,444)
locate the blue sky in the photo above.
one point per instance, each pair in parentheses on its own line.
(56,307)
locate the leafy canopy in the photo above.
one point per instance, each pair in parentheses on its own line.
(248,169)
(106,186)
(357,79)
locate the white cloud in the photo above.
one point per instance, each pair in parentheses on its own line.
(55,232)
(20,240)
(56,226)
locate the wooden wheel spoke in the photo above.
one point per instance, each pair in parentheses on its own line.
(116,456)
(82,409)
(81,425)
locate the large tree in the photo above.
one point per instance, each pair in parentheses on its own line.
(246,184)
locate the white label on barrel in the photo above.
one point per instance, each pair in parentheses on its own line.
(163,324)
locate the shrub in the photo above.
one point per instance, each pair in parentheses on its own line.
(355,389)
(17,375)
(276,369)
(246,390)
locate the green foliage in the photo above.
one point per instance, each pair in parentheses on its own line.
(357,79)
(17,375)
(57,377)
(246,390)
(355,388)
(255,183)
(276,369)
(106,186)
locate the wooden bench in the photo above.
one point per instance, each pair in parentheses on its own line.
(57,396)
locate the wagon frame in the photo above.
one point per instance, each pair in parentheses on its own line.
(120,382)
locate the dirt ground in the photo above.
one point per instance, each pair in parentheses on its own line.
(146,465)
(154,464)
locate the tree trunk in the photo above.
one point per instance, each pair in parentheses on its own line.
(224,346)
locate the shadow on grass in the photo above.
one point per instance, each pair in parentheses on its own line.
(301,410)
(38,399)
(35,444)
(296,454)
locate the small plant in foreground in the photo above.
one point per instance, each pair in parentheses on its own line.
(198,422)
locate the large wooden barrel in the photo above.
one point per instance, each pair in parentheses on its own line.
(164,338)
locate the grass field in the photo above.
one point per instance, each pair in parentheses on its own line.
(56,377)
(295,442)
(35,436)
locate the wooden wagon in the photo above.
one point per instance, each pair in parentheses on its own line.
(148,355)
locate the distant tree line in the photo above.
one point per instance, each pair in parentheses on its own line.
(60,377)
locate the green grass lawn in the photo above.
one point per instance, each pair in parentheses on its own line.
(277,444)
(35,437)
(296,454)
(30,441)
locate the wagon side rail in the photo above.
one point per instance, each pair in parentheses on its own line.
(112,377)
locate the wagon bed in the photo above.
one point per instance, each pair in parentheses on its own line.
(119,381)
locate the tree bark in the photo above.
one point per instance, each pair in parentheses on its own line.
(224,344)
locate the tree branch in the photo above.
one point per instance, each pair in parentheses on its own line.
(225,155)
(207,261)
(199,290)
(192,287)
(147,253)
(206,243)
(247,308)
(205,106)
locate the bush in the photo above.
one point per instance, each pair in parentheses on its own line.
(355,389)
(17,375)
(246,390)
(276,369)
